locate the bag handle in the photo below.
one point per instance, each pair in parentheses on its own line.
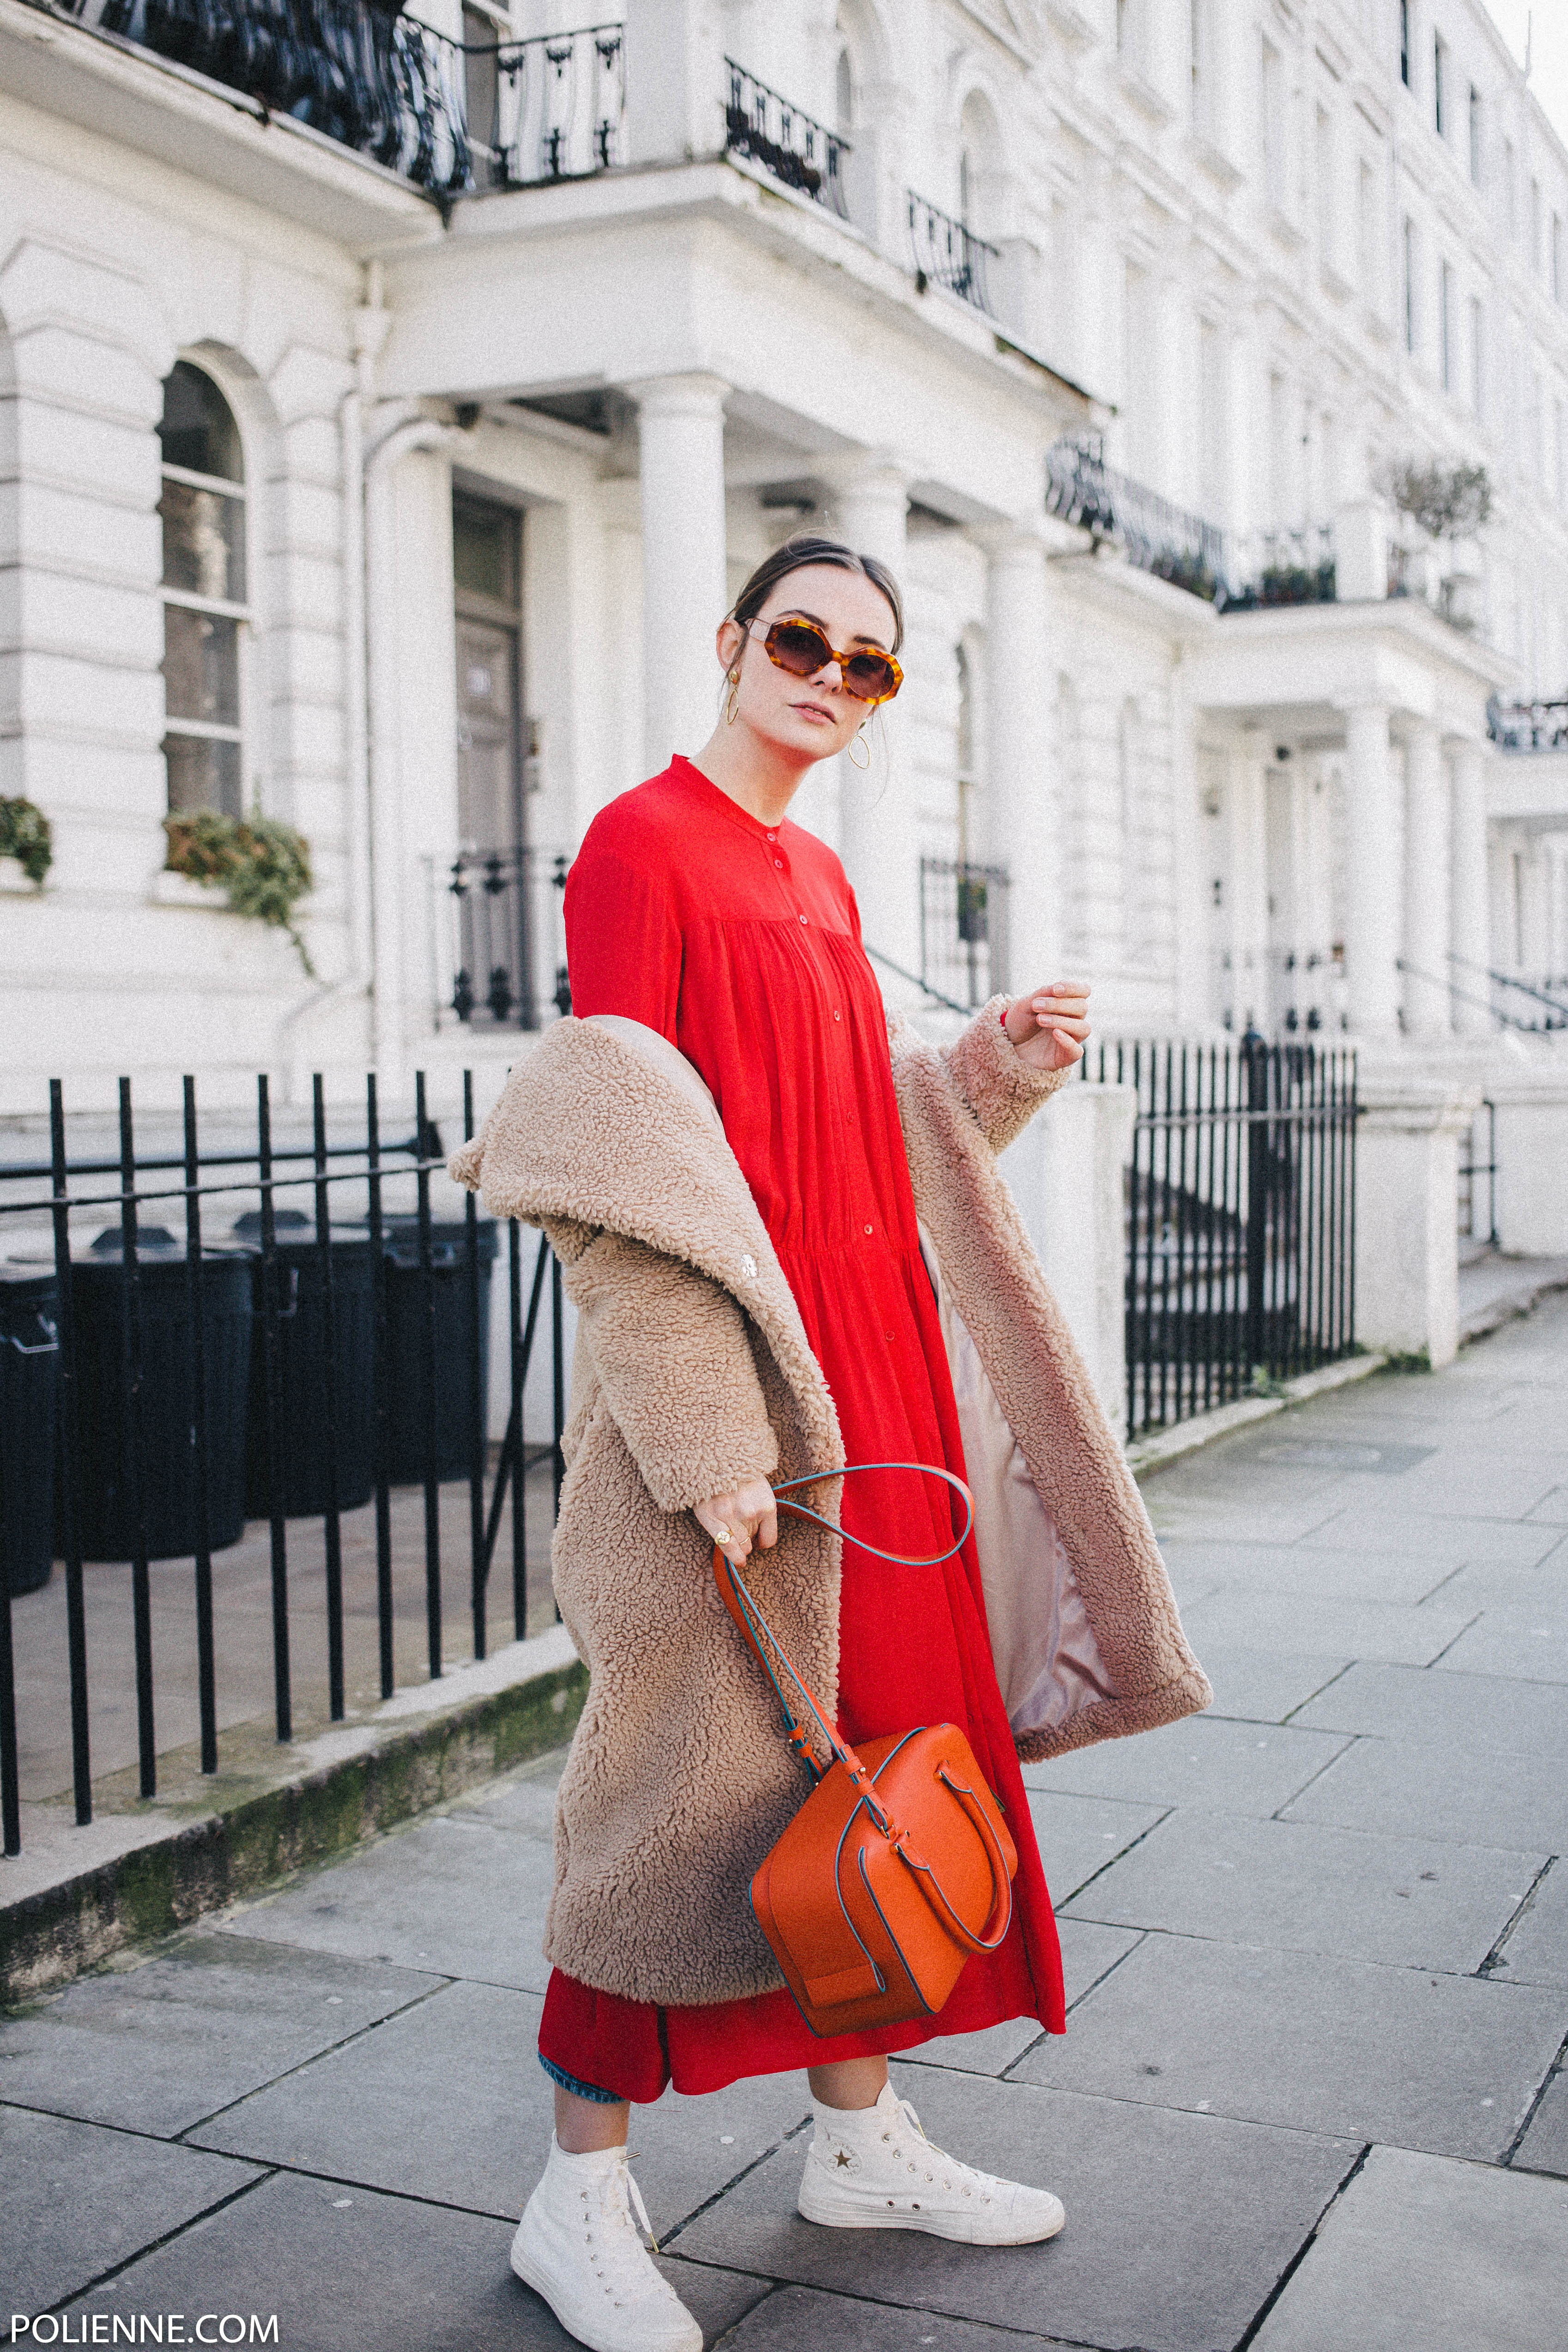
(737,1597)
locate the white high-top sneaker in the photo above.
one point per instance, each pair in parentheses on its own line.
(578,2246)
(873,2168)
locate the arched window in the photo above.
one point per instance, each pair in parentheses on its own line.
(979,164)
(844,93)
(204,606)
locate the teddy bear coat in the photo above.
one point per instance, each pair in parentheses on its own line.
(693,1374)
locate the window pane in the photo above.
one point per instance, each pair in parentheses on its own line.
(204,541)
(204,773)
(198,429)
(200,666)
(484,545)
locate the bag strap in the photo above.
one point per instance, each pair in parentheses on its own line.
(737,1599)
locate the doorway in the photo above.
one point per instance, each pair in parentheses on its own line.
(490,875)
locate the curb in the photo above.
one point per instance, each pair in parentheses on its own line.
(1158,1453)
(384,1772)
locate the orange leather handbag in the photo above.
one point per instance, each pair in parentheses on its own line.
(898,1865)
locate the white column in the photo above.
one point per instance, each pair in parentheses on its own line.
(879,838)
(1470,914)
(1023,830)
(1427,1012)
(1245,819)
(675,82)
(1372,883)
(1406,1179)
(684,590)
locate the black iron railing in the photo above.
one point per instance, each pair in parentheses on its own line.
(945,253)
(1158,537)
(451,117)
(1527,726)
(215,1356)
(963,930)
(1280,567)
(793,149)
(1481,1161)
(1234,572)
(499,950)
(1241,1218)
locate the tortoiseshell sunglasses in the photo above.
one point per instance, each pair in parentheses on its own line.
(802,648)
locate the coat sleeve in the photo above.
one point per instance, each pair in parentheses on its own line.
(1000,1093)
(675,1367)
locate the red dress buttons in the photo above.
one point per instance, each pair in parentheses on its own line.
(779,863)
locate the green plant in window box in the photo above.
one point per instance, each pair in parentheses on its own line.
(25,835)
(262,867)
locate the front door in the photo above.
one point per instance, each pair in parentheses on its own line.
(491,875)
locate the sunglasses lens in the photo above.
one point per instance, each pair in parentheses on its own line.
(871,677)
(795,647)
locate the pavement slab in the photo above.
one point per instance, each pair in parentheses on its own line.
(1545,2147)
(1261,1686)
(1447,1541)
(1405,1902)
(1310,1625)
(1456,1712)
(461,1893)
(1374,1573)
(451,2103)
(1489,1795)
(1424,2252)
(1079,1835)
(156,2047)
(1182,2266)
(343,2268)
(1536,1950)
(119,2190)
(1224,1767)
(1530,1644)
(1088,1953)
(1312,2043)
(794,2317)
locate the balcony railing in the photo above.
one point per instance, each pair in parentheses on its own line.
(448,117)
(946,253)
(1234,572)
(498,947)
(1280,567)
(792,148)
(1158,537)
(1527,726)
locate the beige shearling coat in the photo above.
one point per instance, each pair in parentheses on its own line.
(693,1373)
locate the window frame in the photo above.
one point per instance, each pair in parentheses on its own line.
(242,612)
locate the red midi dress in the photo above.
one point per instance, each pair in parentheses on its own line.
(741,943)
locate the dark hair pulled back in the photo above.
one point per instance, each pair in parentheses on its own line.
(794,556)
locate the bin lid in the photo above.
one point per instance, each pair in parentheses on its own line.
(26,1277)
(294,1234)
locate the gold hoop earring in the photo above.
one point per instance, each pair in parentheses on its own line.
(729,699)
(865,761)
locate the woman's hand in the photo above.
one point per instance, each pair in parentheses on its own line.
(735,1520)
(1050,1026)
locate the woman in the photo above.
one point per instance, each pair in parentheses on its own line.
(729,1165)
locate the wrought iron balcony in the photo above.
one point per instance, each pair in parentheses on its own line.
(451,117)
(1527,726)
(947,254)
(794,150)
(1281,567)
(1234,573)
(1158,537)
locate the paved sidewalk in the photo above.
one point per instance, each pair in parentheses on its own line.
(1310,2098)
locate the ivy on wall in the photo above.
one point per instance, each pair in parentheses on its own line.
(262,867)
(25,835)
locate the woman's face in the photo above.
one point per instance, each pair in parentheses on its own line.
(811,718)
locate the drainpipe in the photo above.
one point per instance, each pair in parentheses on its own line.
(389,946)
(371,321)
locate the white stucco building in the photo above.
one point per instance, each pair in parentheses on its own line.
(386,464)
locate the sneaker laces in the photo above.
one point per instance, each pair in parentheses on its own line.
(986,2183)
(624,2177)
